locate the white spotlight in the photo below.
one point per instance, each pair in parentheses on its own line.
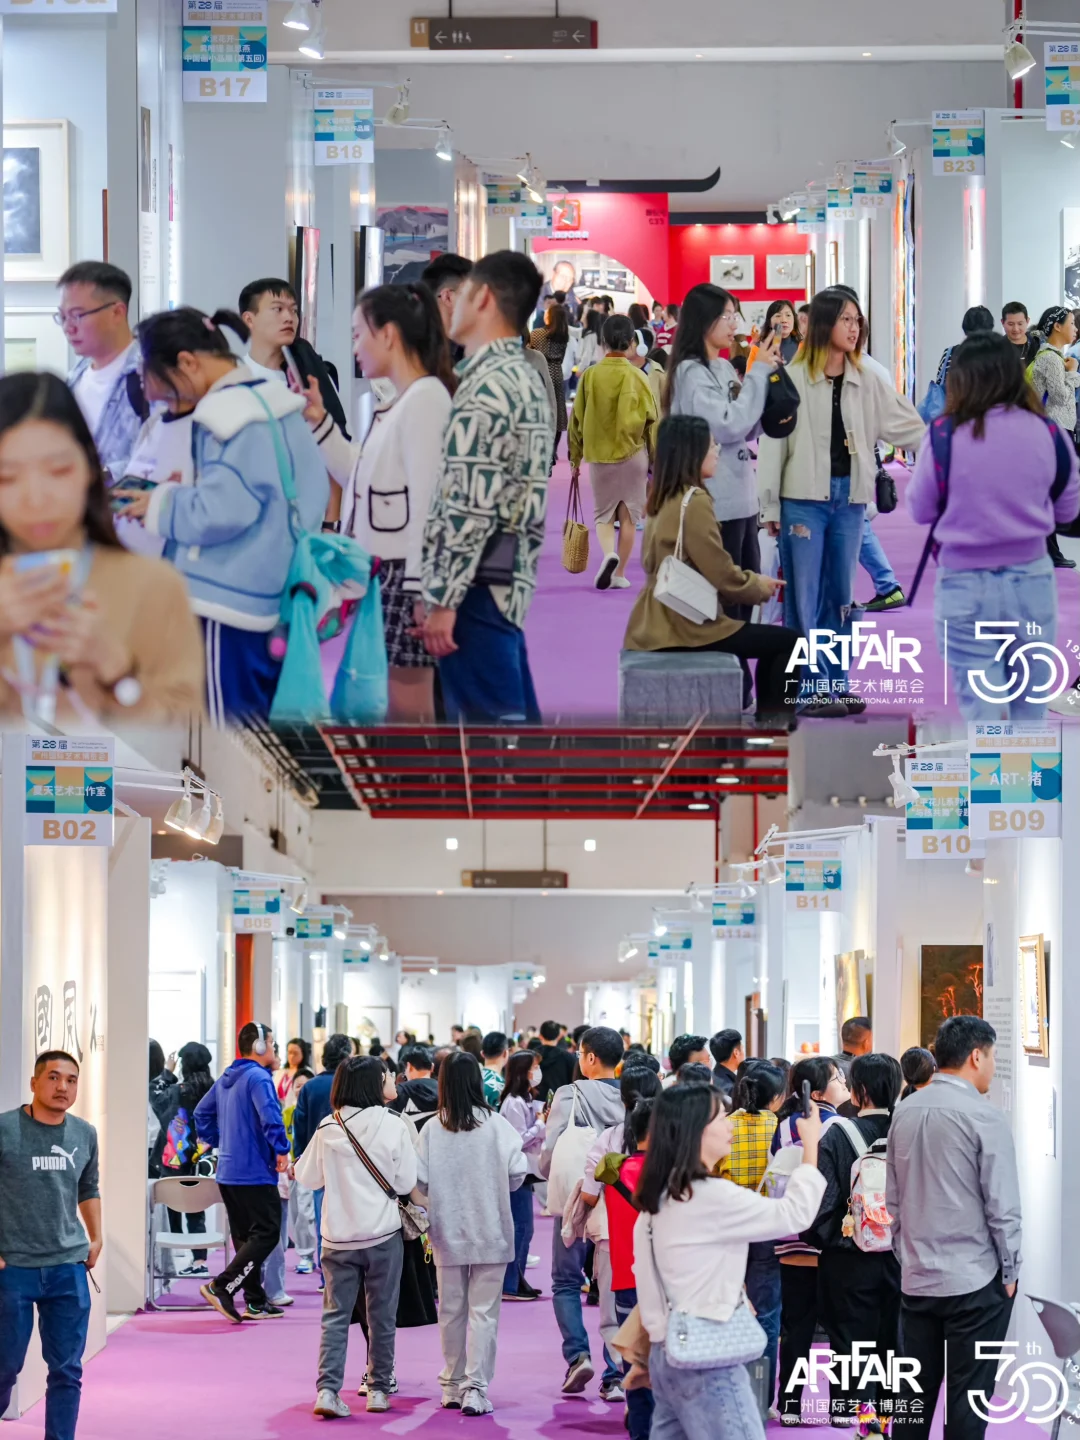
(451,843)
(590,846)
(216,828)
(399,110)
(1018,60)
(199,823)
(313,44)
(904,793)
(444,147)
(299,16)
(659,928)
(298,904)
(178,815)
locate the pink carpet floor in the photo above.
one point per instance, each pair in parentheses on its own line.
(195,1376)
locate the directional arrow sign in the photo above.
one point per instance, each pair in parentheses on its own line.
(510,32)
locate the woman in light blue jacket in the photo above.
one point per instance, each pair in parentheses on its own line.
(259,483)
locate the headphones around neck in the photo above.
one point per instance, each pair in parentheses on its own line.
(259,1048)
(642,348)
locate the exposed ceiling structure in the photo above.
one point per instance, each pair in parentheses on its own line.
(446,772)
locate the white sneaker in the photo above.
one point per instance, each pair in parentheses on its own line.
(329,1404)
(362,1388)
(476,1404)
(608,566)
(281,1300)
(620,582)
(378,1401)
(532,1262)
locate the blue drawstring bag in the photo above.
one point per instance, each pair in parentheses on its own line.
(933,402)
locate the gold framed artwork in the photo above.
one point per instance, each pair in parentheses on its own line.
(1034,1029)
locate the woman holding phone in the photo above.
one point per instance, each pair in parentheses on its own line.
(88,631)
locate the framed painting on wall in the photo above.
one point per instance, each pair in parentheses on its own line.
(950,983)
(732,272)
(1034,1011)
(33,341)
(37,206)
(785,272)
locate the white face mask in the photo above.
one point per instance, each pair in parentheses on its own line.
(535,1078)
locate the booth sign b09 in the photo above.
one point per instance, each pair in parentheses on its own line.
(1015,780)
(69,791)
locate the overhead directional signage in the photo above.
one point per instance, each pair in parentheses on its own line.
(503,32)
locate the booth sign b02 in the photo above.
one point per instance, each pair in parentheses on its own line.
(69,791)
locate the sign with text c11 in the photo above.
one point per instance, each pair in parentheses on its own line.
(224,50)
(344,127)
(734,914)
(1063,85)
(1015,780)
(257,912)
(959,142)
(937,824)
(813,875)
(69,791)
(810,220)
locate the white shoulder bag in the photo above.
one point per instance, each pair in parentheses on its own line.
(679,586)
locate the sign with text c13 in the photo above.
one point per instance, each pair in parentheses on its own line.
(344,127)
(813,875)
(1015,780)
(959,142)
(1063,85)
(69,791)
(937,824)
(224,50)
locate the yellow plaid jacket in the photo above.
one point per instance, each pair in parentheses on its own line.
(750,1143)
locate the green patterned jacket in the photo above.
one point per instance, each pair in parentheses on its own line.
(496,459)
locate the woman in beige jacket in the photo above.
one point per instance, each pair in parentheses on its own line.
(88,631)
(686,456)
(816,483)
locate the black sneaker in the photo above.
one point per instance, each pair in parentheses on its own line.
(894,599)
(222,1302)
(578,1376)
(263,1312)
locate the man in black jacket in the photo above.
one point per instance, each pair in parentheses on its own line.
(557,1066)
(270,310)
(418,1090)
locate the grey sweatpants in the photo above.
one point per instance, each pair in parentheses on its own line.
(380,1266)
(469,1300)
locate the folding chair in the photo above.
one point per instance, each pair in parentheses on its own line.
(1062,1324)
(187,1196)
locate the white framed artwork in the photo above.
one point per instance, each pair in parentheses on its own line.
(732,272)
(34,341)
(37,206)
(785,272)
(751,316)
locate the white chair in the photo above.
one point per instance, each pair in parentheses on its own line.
(186,1195)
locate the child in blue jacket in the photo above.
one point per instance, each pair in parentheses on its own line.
(233,532)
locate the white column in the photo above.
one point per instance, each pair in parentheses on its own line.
(885,956)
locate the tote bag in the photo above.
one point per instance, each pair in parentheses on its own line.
(575,534)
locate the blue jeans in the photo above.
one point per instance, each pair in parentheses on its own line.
(273,1271)
(875,562)
(639,1403)
(567,1278)
(763,1289)
(62,1296)
(702,1404)
(1024,593)
(487,678)
(819,550)
(521,1208)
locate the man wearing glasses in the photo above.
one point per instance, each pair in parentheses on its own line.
(93,313)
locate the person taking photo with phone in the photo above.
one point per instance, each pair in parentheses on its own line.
(50,1236)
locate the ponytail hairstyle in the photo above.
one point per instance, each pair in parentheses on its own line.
(757,1087)
(413,310)
(637,1084)
(819,1070)
(637,1123)
(618,334)
(918,1067)
(164,337)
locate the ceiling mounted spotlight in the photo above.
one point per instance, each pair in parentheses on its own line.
(216,828)
(313,44)
(1018,59)
(533,180)
(659,929)
(772,871)
(298,904)
(199,823)
(904,793)
(444,146)
(178,815)
(299,16)
(399,110)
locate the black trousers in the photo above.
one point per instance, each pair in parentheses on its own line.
(930,1326)
(771,647)
(798,1320)
(196,1225)
(859,1299)
(742,544)
(254,1213)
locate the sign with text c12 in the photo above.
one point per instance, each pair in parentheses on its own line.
(224,50)
(1015,780)
(872,191)
(937,825)
(69,791)
(959,142)
(1063,85)
(344,127)
(813,875)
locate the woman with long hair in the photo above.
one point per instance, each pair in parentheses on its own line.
(521,1079)
(386,483)
(690,1252)
(686,457)
(701,382)
(612,430)
(1012,476)
(551,340)
(816,483)
(1055,375)
(181,1142)
(361,1226)
(858,1292)
(918,1067)
(781,320)
(232,532)
(89,632)
(590,350)
(469,1162)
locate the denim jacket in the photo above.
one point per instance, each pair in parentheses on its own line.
(119,426)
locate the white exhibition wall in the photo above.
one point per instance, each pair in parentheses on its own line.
(187,971)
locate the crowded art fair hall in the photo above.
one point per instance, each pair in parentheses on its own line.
(539,690)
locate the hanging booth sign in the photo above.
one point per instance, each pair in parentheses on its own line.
(258,912)
(354,955)
(959,142)
(69,791)
(734,915)
(1015,780)
(810,220)
(938,822)
(1063,85)
(224,50)
(344,127)
(676,940)
(813,874)
(872,191)
(315,927)
(840,203)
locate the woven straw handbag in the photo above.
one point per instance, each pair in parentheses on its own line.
(575,533)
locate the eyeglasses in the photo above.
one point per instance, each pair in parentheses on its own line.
(76,317)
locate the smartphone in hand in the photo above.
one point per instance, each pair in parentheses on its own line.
(806,1101)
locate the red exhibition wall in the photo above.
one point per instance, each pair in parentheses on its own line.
(636,231)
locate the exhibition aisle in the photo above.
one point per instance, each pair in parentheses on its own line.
(574,632)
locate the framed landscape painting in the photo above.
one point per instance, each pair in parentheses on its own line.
(37,207)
